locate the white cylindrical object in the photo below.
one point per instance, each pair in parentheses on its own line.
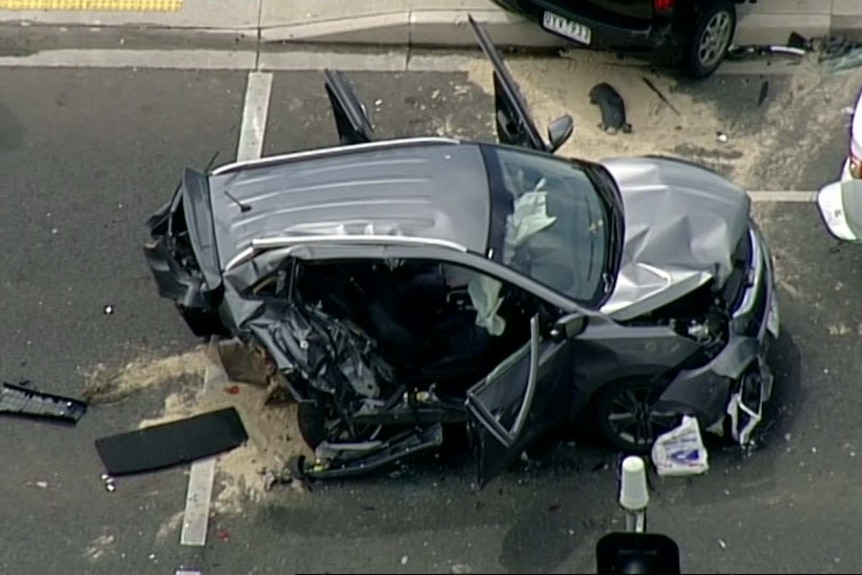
(633,489)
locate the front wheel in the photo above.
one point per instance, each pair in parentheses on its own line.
(712,39)
(628,419)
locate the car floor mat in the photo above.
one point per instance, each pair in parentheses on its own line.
(169,444)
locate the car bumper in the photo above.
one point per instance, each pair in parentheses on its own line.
(172,281)
(614,33)
(737,382)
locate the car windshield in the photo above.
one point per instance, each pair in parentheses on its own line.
(548,222)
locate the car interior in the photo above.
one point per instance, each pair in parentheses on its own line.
(420,315)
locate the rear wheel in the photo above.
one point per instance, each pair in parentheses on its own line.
(627,418)
(716,26)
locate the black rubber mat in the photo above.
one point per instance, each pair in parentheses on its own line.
(170,444)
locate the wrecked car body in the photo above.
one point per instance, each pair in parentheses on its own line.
(400,286)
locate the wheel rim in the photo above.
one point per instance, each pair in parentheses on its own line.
(714,40)
(634,419)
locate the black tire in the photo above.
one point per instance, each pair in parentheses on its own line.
(203,323)
(311,420)
(635,396)
(713,37)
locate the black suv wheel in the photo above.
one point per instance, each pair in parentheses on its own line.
(716,27)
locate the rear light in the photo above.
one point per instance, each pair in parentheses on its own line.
(856,167)
(663,5)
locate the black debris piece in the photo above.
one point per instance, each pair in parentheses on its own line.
(796,40)
(612,106)
(25,402)
(660,94)
(170,444)
(764,92)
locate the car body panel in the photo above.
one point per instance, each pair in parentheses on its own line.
(683,224)
(524,396)
(351,115)
(427,190)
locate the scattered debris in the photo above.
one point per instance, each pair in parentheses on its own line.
(612,106)
(21,401)
(42,484)
(722,544)
(404,560)
(223,535)
(109,309)
(722,137)
(680,452)
(461,569)
(169,444)
(554,507)
(660,94)
(764,92)
(233,389)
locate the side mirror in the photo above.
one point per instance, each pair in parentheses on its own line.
(836,203)
(560,130)
(568,326)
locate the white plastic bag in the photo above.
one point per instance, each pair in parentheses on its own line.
(680,452)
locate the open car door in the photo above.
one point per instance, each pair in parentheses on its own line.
(524,396)
(515,125)
(351,115)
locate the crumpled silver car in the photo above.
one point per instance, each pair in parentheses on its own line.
(399,286)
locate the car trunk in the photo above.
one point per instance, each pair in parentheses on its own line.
(605,10)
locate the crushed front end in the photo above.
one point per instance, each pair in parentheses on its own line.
(727,393)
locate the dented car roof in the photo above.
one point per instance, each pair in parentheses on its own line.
(436,189)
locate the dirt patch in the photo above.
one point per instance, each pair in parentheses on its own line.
(109,384)
(273,437)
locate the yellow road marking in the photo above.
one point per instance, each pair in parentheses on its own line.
(94,5)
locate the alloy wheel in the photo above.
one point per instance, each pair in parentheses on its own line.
(634,419)
(715,39)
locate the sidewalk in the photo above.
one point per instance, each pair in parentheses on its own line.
(390,22)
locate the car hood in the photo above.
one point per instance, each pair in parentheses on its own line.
(682,224)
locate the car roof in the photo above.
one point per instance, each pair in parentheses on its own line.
(425,188)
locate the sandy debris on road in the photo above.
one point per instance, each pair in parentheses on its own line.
(272,429)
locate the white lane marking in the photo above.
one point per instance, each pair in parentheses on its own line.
(185,572)
(198,498)
(386,59)
(783,196)
(143,59)
(254,115)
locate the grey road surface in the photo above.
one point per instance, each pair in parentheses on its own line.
(86,155)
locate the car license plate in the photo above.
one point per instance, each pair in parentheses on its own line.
(772,319)
(567,28)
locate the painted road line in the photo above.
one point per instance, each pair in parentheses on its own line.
(783,196)
(185,572)
(254,115)
(94,5)
(136,59)
(198,498)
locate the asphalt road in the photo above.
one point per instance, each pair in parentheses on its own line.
(87,155)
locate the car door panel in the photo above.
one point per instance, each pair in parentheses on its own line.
(351,115)
(524,396)
(515,125)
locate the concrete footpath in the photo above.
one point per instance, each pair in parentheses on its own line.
(425,23)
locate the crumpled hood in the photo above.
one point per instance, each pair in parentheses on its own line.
(682,225)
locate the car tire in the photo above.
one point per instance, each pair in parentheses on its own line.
(637,397)
(713,37)
(202,323)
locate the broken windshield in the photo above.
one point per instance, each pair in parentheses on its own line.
(548,222)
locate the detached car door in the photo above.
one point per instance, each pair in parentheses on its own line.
(351,115)
(515,125)
(524,396)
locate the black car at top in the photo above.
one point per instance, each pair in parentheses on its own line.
(695,34)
